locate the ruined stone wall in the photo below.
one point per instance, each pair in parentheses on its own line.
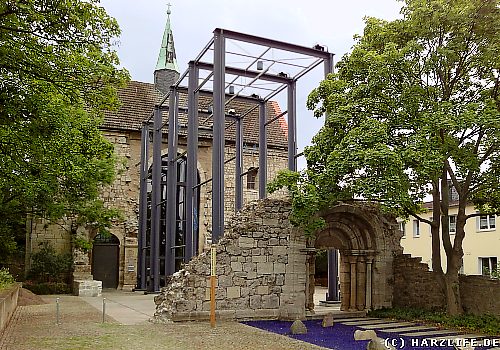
(416,286)
(480,294)
(261,270)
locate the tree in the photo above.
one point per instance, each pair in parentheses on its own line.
(58,72)
(411,111)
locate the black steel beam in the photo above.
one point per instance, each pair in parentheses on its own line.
(262,151)
(143,209)
(248,73)
(238,183)
(281,45)
(192,160)
(171,207)
(155,206)
(292,123)
(218,140)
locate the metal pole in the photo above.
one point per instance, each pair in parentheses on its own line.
(192,160)
(103,309)
(292,133)
(218,138)
(57,311)
(155,204)
(333,262)
(143,209)
(238,182)
(171,207)
(262,151)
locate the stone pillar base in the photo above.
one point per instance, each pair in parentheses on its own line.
(87,288)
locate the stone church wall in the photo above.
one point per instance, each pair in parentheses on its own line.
(123,194)
(416,286)
(261,269)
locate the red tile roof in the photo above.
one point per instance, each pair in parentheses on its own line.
(138,100)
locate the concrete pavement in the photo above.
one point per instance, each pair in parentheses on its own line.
(128,308)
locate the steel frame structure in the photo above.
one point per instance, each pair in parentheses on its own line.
(218,73)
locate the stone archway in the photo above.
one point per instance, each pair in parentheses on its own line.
(368,241)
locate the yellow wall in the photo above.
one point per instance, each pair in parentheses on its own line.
(477,243)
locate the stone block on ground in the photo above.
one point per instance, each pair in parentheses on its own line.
(328,320)
(87,288)
(365,335)
(298,327)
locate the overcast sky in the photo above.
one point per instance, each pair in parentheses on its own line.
(332,23)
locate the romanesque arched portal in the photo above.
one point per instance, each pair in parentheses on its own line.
(367,240)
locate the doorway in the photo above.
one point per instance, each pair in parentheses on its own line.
(105,258)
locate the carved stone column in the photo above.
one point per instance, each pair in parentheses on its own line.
(353,298)
(361,283)
(345,282)
(368,304)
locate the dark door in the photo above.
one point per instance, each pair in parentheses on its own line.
(105,255)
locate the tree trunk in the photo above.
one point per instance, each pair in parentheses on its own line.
(452,294)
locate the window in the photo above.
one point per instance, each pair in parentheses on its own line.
(251,178)
(402,228)
(452,219)
(416,228)
(487,265)
(486,222)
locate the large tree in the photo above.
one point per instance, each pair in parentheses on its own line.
(411,111)
(58,72)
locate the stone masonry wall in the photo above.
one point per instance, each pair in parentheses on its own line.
(416,286)
(261,271)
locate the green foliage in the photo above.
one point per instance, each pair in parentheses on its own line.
(50,266)
(58,72)
(493,273)
(414,107)
(83,244)
(487,324)
(46,288)
(6,279)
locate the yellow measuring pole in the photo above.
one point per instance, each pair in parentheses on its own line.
(213,253)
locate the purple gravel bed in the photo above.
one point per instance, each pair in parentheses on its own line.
(340,336)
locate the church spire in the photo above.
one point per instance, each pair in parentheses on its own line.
(166,71)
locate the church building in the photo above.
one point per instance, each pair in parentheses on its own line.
(114,260)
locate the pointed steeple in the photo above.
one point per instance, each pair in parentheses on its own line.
(166,71)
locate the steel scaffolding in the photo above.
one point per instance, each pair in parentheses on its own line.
(223,78)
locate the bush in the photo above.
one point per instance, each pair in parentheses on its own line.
(46,288)
(6,279)
(49,266)
(488,324)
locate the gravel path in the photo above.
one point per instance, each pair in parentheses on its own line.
(34,327)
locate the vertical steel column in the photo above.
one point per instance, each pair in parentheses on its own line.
(238,181)
(328,65)
(143,209)
(218,138)
(262,150)
(154,285)
(171,198)
(192,159)
(333,263)
(292,124)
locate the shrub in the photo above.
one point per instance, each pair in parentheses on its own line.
(45,288)
(49,266)
(6,279)
(488,324)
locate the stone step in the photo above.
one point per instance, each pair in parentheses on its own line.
(403,330)
(431,333)
(389,325)
(368,322)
